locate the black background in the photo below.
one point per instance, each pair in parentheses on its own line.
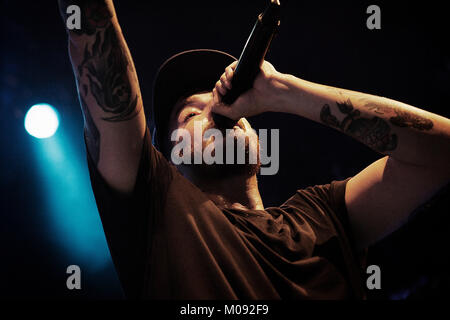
(320,41)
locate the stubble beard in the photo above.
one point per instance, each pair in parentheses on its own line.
(221,171)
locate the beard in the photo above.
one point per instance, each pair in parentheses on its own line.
(222,170)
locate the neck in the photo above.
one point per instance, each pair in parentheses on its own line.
(235,192)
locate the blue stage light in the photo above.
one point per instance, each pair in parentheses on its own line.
(41,121)
(72,218)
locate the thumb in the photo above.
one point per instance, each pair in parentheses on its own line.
(224,110)
(234,111)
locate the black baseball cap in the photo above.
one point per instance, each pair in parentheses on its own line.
(180,76)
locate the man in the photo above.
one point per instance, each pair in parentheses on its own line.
(201,231)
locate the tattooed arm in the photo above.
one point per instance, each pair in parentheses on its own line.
(416,143)
(108,90)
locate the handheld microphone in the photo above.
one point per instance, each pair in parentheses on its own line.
(252,57)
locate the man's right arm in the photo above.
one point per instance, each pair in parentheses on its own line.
(108,88)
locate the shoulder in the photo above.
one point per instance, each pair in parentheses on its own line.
(330,196)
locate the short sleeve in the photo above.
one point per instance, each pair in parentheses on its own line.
(336,196)
(327,201)
(324,205)
(128,220)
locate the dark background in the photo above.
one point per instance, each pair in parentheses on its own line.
(324,42)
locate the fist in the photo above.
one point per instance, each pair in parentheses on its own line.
(257,100)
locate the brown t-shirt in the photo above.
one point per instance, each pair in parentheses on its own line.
(169,241)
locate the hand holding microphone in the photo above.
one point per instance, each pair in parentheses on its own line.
(247,68)
(260,98)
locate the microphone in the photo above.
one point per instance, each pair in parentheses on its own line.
(252,57)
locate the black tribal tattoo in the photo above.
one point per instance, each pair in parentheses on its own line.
(374,132)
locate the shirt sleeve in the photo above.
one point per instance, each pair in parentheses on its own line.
(128,220)
(324,205)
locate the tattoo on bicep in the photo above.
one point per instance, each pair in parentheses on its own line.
(374,132)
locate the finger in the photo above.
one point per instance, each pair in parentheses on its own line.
(225,82)
(216,96)
(233,112)
(223,110)
(233,65)
(220,88)
(230,69)
(229,72)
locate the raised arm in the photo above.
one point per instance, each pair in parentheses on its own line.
(416,144)
(109,93)
(390,127)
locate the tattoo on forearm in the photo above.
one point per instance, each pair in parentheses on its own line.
(407,119)
(95,15)
(106,66)
(376,108)
(402,118)
(374,132)
(106,71)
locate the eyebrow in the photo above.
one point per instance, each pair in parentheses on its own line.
(185,101)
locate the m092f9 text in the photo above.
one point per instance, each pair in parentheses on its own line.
(250,309)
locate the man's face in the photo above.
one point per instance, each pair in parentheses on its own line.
(195,112)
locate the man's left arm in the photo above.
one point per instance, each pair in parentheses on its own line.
(416,144)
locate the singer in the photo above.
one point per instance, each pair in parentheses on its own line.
(202,231)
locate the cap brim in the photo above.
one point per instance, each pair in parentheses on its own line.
(182,75)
